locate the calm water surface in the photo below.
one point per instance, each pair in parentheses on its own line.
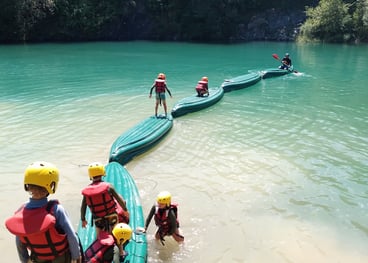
(273,173)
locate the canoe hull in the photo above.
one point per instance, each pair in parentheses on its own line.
(241,82)
(270,73)
(140,138)
(195,103)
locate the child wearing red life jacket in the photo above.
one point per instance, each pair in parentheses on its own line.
(160,88)
(41,226)
(166,218)
(202,87)
(109,247)
(107,206)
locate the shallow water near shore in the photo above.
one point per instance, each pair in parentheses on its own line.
(276,172)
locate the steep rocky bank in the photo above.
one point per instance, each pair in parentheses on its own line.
(273,25)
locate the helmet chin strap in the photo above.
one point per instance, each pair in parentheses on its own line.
(53,187)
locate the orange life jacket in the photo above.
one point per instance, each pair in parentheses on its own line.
(99,199)
(36,228)
(160,85)
(96,251)
(162,219)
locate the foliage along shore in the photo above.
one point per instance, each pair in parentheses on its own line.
(210,21)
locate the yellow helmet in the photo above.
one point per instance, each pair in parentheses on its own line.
(205,79)
(122,233)
(42,174)
(161,76)
(164,198)
(96,169)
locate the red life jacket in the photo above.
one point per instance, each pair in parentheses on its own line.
(36,228)
(160,85)
(96,251)
(99,199)
(162,219)
(202,86)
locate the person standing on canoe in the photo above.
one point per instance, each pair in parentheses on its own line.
(107,206)
(202,87)
(166,218)
(160,88)
(286,62)
(42,226)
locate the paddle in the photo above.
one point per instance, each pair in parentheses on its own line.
(275,56)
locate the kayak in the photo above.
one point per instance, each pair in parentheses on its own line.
(275,72)
(241,82)
(124,184)
(195,103)
(140,138)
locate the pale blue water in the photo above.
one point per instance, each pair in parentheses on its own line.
(276,172)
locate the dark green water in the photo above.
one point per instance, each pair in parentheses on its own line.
(276,172)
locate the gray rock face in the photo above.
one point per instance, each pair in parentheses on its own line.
(272,25)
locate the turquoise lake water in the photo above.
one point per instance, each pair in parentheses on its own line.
(276,172)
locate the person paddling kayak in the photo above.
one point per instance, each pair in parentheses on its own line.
(286,62)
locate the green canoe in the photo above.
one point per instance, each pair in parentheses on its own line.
(274,72)
(195,103)
(241,82)
(140,138)
(124,184)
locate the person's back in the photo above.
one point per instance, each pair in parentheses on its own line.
(42,226)
(160,87)
(98,198)
(107,207)
(202,87)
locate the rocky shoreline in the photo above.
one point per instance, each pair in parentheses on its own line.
(272,25)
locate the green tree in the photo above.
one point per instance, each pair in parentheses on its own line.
(7,21)
(329,21)
(29,13)
(360,19)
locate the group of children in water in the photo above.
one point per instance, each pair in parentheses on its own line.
(43,230)
(44,233)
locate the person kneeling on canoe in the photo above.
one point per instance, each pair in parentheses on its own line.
(202,87)
(109,247)
(166,218)
(286,62)
(107,206)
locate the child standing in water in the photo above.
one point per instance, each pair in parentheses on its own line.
(165,215)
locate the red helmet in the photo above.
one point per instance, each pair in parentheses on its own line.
(161,76)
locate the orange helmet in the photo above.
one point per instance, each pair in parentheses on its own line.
(205,79)
(161,76)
